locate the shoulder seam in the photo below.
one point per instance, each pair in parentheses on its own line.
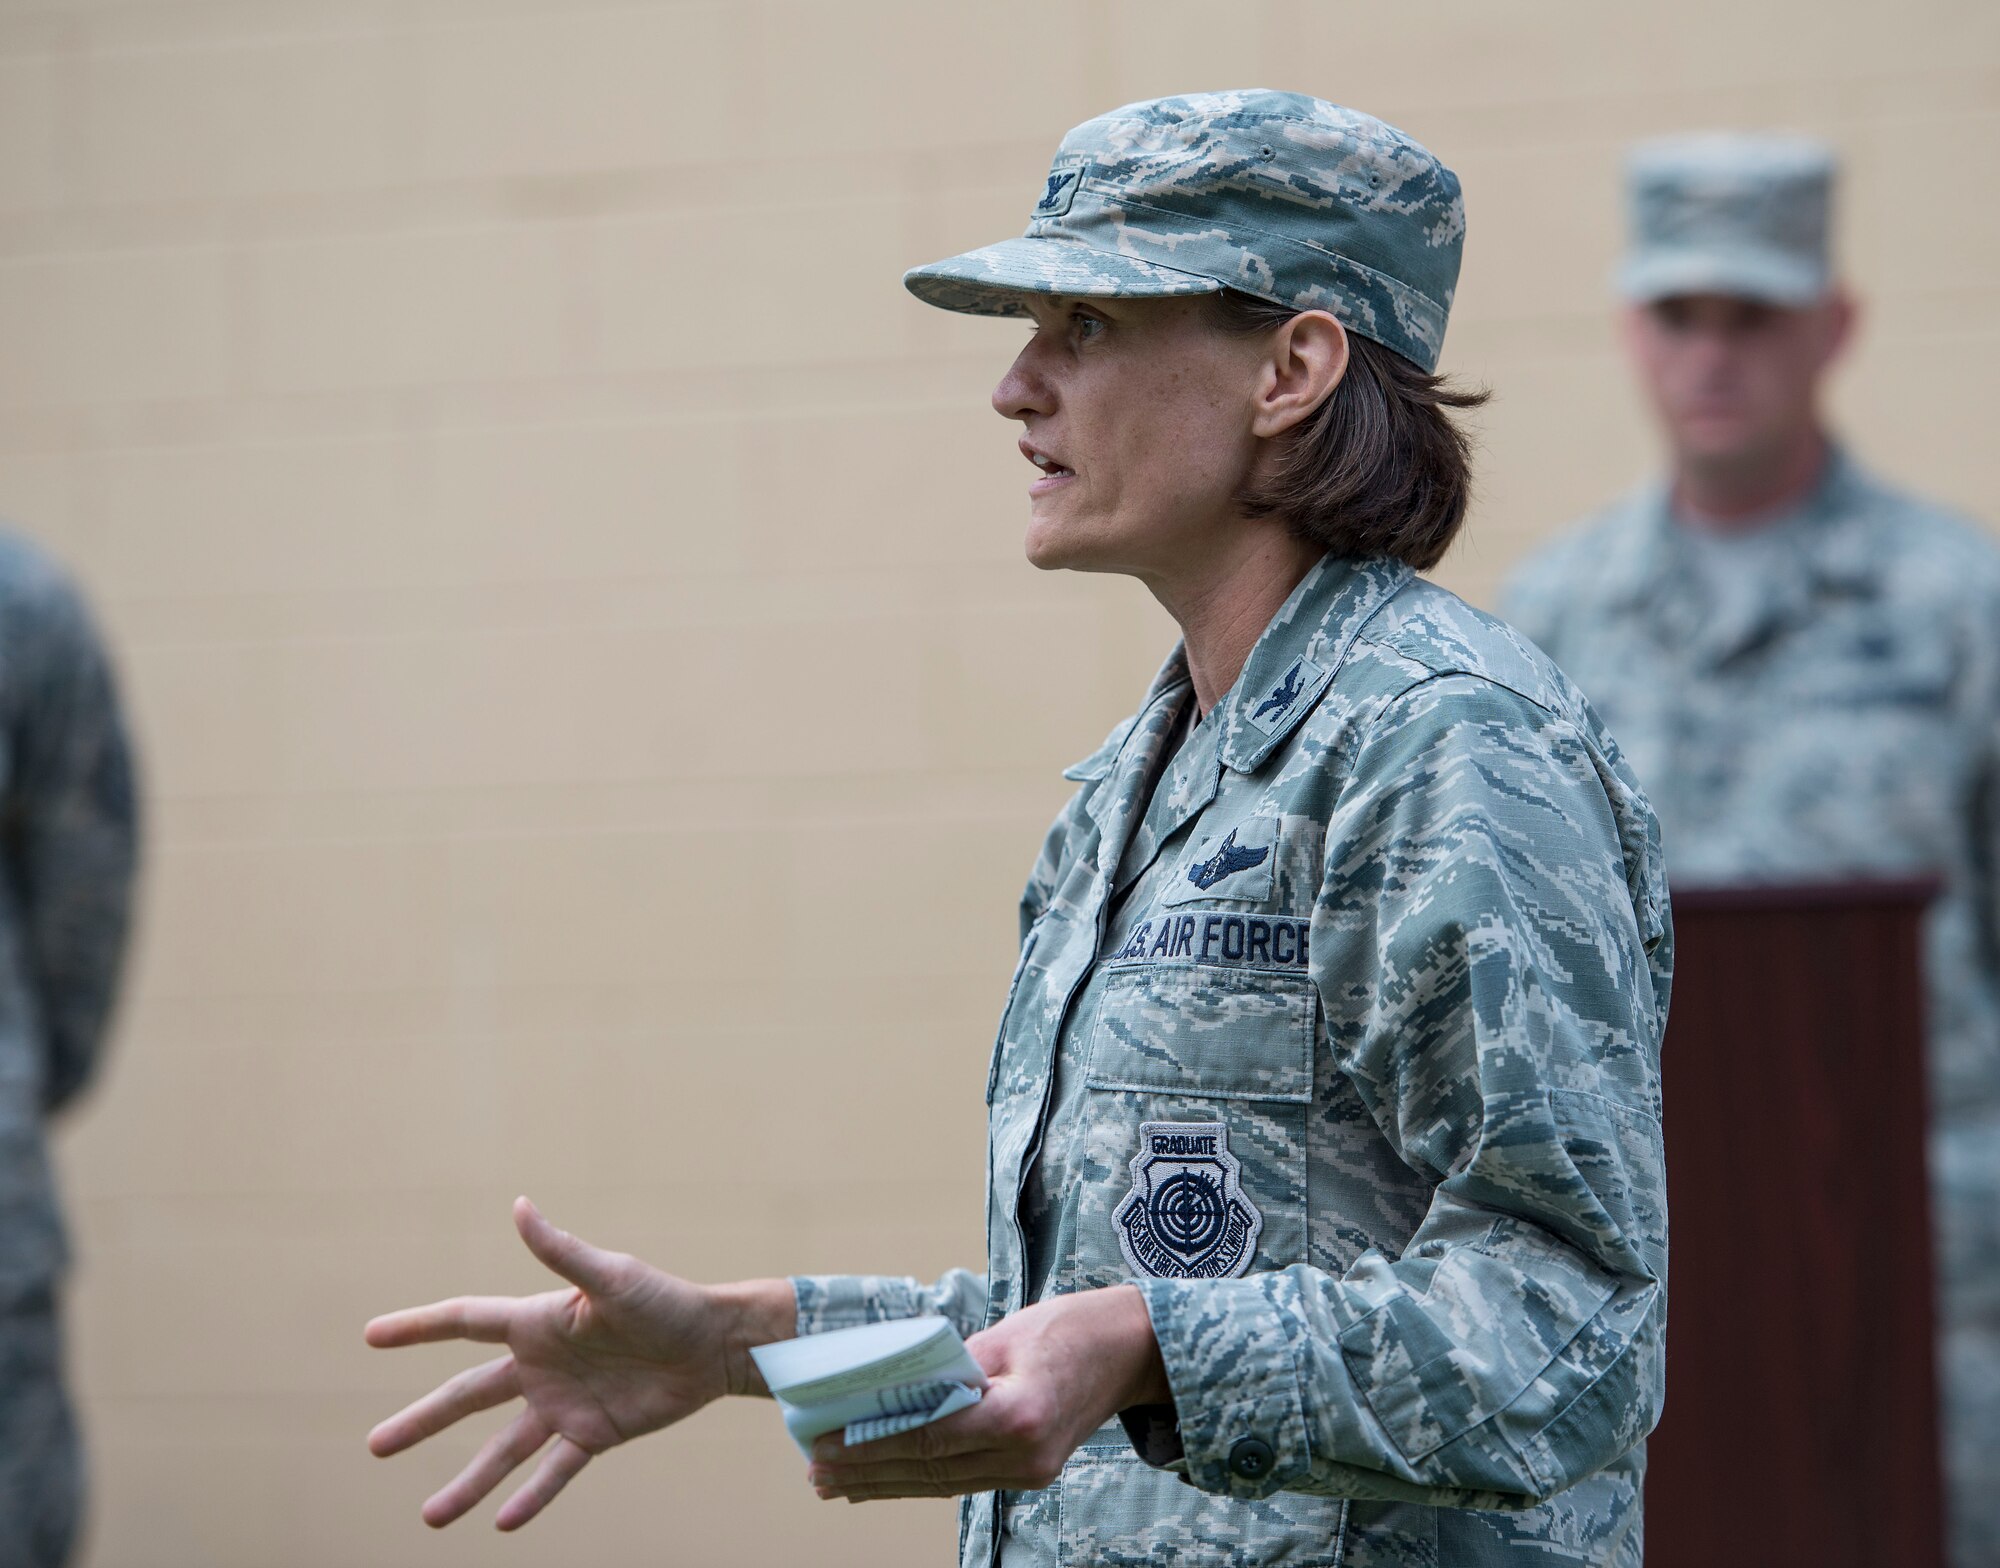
(1432,673)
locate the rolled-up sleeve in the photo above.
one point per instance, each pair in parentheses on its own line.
(829,1301)
(1491,949)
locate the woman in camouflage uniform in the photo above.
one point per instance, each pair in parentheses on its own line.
(1326,1211)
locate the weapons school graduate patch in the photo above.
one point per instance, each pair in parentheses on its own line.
(1186,1216)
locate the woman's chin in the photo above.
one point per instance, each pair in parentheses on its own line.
(1050,549)
(1058,543)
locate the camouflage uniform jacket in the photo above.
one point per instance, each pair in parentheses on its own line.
(1832,712)
(67,844)
(1338,1034)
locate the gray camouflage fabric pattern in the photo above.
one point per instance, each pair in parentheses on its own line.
(67,845)
(1429,1023)
(41,1462)
(1824,702)
(1286,197)
(1728,214)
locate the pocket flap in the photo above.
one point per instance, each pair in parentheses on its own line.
(1191,1029)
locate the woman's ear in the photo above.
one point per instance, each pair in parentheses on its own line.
(1307,358)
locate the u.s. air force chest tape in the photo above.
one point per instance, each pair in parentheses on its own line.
(1274,942)
(1186,1216)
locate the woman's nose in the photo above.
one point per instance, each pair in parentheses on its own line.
(1024,390)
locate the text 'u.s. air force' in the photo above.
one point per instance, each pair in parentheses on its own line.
(1251,941)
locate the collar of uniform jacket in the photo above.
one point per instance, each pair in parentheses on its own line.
(1833,554)
(1294,660)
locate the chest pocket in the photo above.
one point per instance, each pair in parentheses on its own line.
(1872,662)
(1198,1083)
(1204,1031)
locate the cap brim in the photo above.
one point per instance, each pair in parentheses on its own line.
(991,281)
(1773,280)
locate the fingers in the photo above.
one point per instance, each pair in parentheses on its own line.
(574,1259)
(917,1477)
(504,1450)
(1005,1443)
(873,1494)
(478,1388)
(481,1318)
(969,1431)
(558,1467)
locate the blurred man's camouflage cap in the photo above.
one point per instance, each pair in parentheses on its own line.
(1729,214)
(1278,195)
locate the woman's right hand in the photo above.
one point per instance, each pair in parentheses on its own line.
(628,1350)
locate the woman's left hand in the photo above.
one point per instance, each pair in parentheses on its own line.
(1057,1371)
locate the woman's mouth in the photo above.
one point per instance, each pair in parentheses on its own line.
(1053,473)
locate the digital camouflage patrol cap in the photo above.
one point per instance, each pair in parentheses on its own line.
(1286,197)
(1723,213)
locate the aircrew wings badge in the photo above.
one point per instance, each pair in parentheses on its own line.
(1237,864)
(1186,1216)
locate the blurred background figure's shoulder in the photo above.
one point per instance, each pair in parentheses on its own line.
(28,567)
(1594,563)
(1920,550)
(39,596)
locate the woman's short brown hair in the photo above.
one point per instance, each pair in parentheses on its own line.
(1379,468)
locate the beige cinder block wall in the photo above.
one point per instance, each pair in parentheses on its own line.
(596,715)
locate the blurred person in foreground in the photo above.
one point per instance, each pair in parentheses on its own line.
(1803,663)
(1326,1196)
(68,836)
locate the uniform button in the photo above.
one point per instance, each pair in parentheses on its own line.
(1251,1458)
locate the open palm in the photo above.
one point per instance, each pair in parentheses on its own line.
(629,1349)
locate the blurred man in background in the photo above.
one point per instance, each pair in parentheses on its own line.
(1803,664)
(67,841)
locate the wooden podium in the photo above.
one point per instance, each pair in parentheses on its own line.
(1801,1414)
